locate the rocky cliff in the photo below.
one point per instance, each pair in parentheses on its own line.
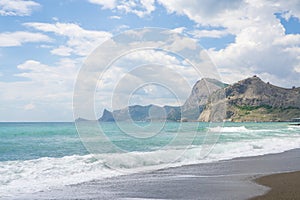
(254,100)
(197,100)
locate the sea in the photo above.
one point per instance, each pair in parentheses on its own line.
(45,156)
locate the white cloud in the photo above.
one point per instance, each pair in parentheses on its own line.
(297,68)
(46,46)
(209,33)
(65,71)
(18,38)
(288,40)
(139,7)
(115,17)
(204,12)
(151,56)
(17,7)
(261,45)
(62,51)
(80,41)
(55,19)
(106,4)
(49,89)
(254,52)
(179,43)
(289,8)
(121,28)
(179,30)
(134,7)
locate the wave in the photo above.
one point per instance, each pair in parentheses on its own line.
(229,129)
(243,129)
(293,127)
(21,177)
(29,176)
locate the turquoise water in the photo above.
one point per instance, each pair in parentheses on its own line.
(25,141)
(50,155)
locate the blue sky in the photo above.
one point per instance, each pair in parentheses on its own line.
(43,44)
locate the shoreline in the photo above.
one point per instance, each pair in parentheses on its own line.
(229,179)
(282,186)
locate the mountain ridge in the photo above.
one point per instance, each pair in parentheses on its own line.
(250,99)
(189,111)
(142,113)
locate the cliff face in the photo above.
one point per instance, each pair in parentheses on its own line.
(197,100)
(107,116)
(254,100)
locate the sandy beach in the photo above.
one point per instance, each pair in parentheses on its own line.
(231,179)
(283,186)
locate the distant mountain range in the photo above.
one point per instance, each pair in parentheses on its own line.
(142,113)
(247,100)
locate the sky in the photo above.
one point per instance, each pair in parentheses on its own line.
(43,45)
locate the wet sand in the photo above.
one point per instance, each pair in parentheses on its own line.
(283,186)
(230,179)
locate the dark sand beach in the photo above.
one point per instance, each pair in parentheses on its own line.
(283,186)
(231,179)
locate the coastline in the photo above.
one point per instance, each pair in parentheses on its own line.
(229,179)
(282,186)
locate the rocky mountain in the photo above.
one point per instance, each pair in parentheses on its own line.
(197,100)
(211,100)
(81,120)
(142,113)
(107,116)
(190,110)
(254,100)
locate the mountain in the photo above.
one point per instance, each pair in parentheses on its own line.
(81,120)
(142,113)
(254,100)
(197,100)
(211,100)
(191,109)
(107,116)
